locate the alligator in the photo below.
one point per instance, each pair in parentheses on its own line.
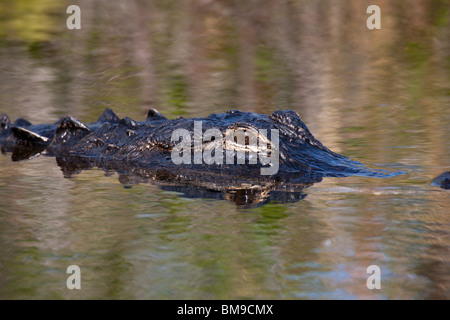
(149,151)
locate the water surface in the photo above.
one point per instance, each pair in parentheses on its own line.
(380,97)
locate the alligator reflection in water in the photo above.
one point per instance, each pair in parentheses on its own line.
(142,152)
(242,190)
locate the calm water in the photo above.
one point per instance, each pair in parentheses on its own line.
(381,97)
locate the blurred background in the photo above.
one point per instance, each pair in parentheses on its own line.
(378,96)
